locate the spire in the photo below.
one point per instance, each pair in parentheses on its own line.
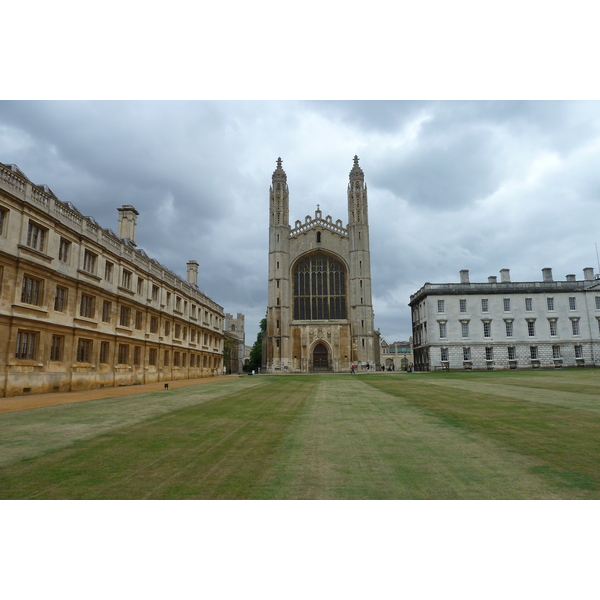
(279,173)
(357,172)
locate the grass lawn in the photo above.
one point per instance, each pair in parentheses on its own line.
(489,435)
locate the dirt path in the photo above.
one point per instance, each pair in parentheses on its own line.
(36,400)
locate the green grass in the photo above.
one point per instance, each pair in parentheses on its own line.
(489,435)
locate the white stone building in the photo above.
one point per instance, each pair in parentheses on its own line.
(507,325)
(320,311)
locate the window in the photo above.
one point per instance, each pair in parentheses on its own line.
(194,307)
(528,304)
(137,355)
(463,306)
(531,328)
(553,328)
(64,250)
(153,324)
(319,282)
(442,330)
(31,291)
(123,354)
(3,215)
(512,353)
(484,305)
(489,353)
(106,311)
(572,303)
(26,345)
(464,327)
(177,333)
(152,357)
(60,299)
(184,334)
(36,236)
(126,279)
(550,303)
(175,359)
(155,292)
(556,352)
(506,303)
(86,308)
(84,350)
(487,329)
(104,352)
(140,286)
(108,271)
(166,358)
(139,315)
(440,306)
(575,326)
(125,316)
(56,348)
(533,352)
(509,328)
(466,353)
(318,237)
(168,298)
(183,359)
(597,302)
(192,335)
(167,327)
(178,303)
(578,351)
(89,262)
(444,354)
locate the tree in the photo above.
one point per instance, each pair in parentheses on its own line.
(256,353)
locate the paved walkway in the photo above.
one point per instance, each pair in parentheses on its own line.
(36,400)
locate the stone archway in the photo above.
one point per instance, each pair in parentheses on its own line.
(320,358)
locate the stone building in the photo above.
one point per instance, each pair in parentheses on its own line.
(235,331)
(81,307)
(320,311)
(397,356)
(507,325)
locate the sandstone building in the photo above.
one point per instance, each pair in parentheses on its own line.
(397,356)
(320,311)
(235,331)
(507,325)
(81,307)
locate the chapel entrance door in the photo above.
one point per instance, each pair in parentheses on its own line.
(320,358)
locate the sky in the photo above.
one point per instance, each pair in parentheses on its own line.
(477,185)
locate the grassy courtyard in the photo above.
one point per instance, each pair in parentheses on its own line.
(489,435)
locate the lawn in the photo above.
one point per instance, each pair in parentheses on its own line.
(489,435)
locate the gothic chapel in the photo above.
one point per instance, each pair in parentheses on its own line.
(320,311)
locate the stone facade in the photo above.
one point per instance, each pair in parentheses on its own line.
(81,307)
(507,325)
(320,311)
(397,356)
(235,330)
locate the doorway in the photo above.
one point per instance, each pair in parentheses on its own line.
(320,358)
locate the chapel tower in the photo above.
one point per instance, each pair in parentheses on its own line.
(320,312)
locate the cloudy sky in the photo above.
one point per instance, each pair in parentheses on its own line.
(479,185)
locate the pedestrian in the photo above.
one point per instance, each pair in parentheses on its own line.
(352,371)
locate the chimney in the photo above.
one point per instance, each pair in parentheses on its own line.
(492,279)
(192,273)
(588,274)
(547,272)
(571,278)
(505,275)
(127,219)
(464,276)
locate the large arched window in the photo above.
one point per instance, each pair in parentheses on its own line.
(319,288)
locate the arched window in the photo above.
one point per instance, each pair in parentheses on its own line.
(319,289)
(318,237)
